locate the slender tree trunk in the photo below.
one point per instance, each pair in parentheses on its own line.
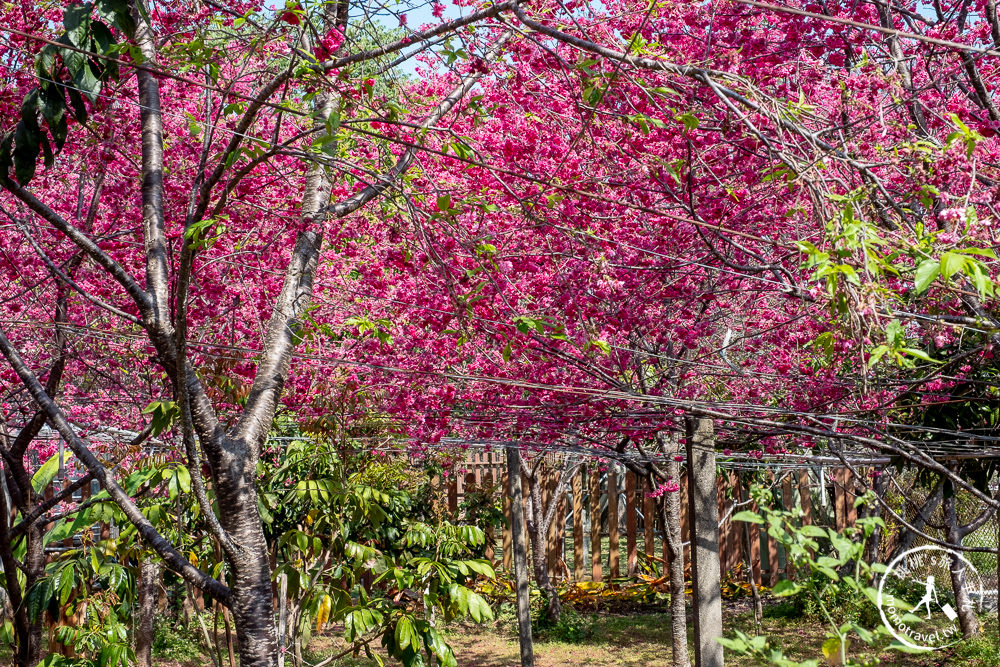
(282,617)
(149,579)
(923,516)
(758,606)
(671,514)
(538,529)
(520,557)
(967,618)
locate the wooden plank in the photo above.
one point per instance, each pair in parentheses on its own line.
(596,570)
(549,482)
(452,494)
(789,502)
(648,521)
(720,502)
(805,497)
(613,537)
(508,536)
(839,504)
(558,545)
(735,529)
(487,482)
(578,564)
(685,519)
(525,495)
(850,497)
(631,524)
(754,542)
(772,551)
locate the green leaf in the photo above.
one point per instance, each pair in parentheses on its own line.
(118,13)
(919,354)
(748,516)
(62,530)
(927,271)
(813,531)
(737,645)
(897,645)
(103,38)
(479,609)
(26,147)
(983,252)
(831,649)
(76,20)
(79,108)
(184,479)
(406,634)
(785,587)
(88,82)
(67,582)
(444,203)
(689,120)
(951,263)
(45,474)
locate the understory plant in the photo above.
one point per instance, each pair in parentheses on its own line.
(833,579)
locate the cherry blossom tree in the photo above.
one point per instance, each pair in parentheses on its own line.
(572,225)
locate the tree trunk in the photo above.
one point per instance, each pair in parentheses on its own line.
(149,579)
(671,515)
(520,558)
(282,617)
(30,651)
(923,516)
(967,618)
(251,603)
(538,529)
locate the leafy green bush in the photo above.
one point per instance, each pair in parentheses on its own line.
(572,626)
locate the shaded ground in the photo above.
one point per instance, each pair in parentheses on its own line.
(631,640)
(644,639)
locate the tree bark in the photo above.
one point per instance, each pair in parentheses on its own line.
(671,514)
(967,618)
(251,600)
(538,529)
(149,580)
(519,557)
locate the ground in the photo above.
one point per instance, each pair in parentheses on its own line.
(644,639)
(631,640)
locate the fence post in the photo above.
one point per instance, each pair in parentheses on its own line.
(453,494)
(706,580)
(487,482)
(805,497)
(849,497)
(578,564)
(508,501)
(788,501)
(557,530)
(631,524)
(648,521)
(613,537)
(596,571)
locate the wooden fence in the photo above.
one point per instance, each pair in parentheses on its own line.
(593,539)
